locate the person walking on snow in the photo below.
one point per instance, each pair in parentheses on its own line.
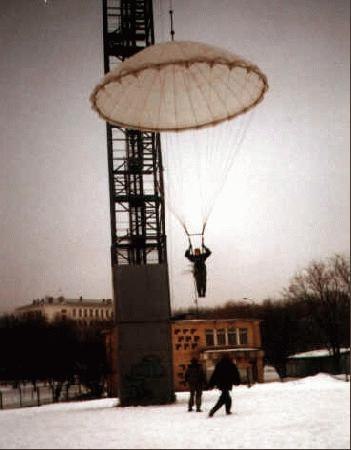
(196,380)
(224,376)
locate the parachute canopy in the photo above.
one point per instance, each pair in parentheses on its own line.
(178,85)
(182,89)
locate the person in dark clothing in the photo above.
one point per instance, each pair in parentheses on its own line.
(198,257)
(224,376)
(196,380)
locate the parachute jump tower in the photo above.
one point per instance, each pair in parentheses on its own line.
(138,241)
(173,88)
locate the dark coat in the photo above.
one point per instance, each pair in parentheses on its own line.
(225,375)
(195,376)
(198,260)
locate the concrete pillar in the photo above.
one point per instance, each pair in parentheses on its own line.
(144,350)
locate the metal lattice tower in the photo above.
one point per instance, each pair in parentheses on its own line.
(143,353)
(135,162)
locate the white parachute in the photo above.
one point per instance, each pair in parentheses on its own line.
(196,96)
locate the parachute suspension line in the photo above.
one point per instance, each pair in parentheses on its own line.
(203,137)
(234,132)
(174,167)
(214,144)
(213,157)
(216,151)
(203,231)
(240,134)
(170,250)
(196,298)
(201,140)
(235,144)
(198,161)
(171,11)
(195,138)
(183,165)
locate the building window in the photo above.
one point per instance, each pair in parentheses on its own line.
(91,312)
(243,336)
(64,311)
(209,334)
(221,336)
(80,312)
(74,312)
(232,336)
(85,313)
(96,313)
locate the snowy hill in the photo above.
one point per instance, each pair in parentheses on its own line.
(308,413)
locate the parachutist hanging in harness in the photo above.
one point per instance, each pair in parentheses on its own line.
(207,139)
(198,258)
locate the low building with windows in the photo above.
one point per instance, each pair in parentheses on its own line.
(84,311)
(206,340)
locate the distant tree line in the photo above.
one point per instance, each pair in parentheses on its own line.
(59,353)
(312,313)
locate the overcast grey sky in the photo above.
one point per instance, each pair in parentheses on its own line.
(287,197)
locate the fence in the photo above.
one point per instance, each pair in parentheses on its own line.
(25,396)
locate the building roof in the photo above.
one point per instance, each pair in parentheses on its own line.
(66,301)
(233,349)
(319,353)
(175,320)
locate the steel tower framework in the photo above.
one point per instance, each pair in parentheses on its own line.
(143,355)
(135,161)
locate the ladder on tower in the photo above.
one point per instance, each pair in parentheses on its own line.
(130,27)
(135,160)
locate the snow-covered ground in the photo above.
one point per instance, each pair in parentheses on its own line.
(317,353)
(308,413)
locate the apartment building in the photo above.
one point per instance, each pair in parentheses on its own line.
(84,311)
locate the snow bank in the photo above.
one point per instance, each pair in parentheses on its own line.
(317,380)
(317,353)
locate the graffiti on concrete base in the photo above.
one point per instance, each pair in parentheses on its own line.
(143,380)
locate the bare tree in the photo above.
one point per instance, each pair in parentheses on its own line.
(325,286)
